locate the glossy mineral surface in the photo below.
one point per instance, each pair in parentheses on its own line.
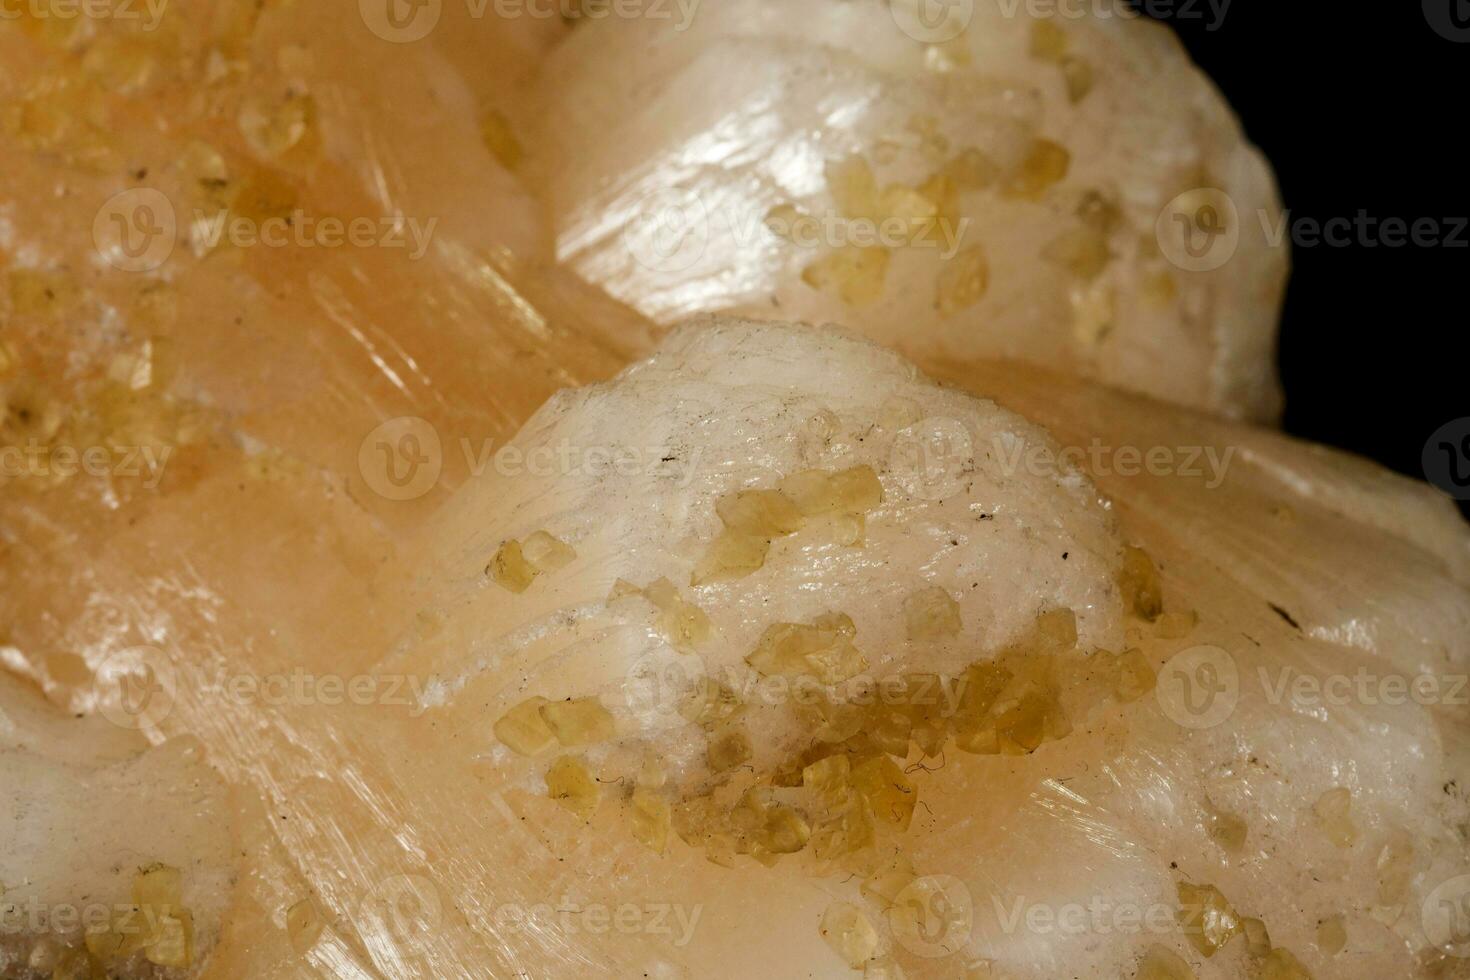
(770,657)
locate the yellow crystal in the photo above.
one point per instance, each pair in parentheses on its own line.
(1083,252)
(731,555)
(848,931)
(578,721)
(851,491)
(1280,964)
(303,925)
(569,783)
(1206,917)
(823,650)
(1333,811)
(546,553)
(888,791)
(1143,594)
(523,729)
(727,750)
(1161,963)
(763,513)
(963,282)
(1046,165)
(510,570)
(1048,41)
(856,273)
(853,187)
(1332,935)
(651,818)
(1079,76)
(500,139)
(931,614)
(1257,939)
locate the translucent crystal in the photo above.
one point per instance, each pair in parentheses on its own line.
(1206,917)
(848,931)
(963,281)
(546,553)
(1161,963)
(1045,165)
(856,273)
(822,649)
(731,555)
(763,513)
(570,783)
(1333,811)
(931,614)
(1143,594)
(578,721)
(510,570)
(651,818)
(524,730)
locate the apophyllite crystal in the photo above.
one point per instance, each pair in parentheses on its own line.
(401,605)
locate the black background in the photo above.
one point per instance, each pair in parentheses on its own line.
(1359,107)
